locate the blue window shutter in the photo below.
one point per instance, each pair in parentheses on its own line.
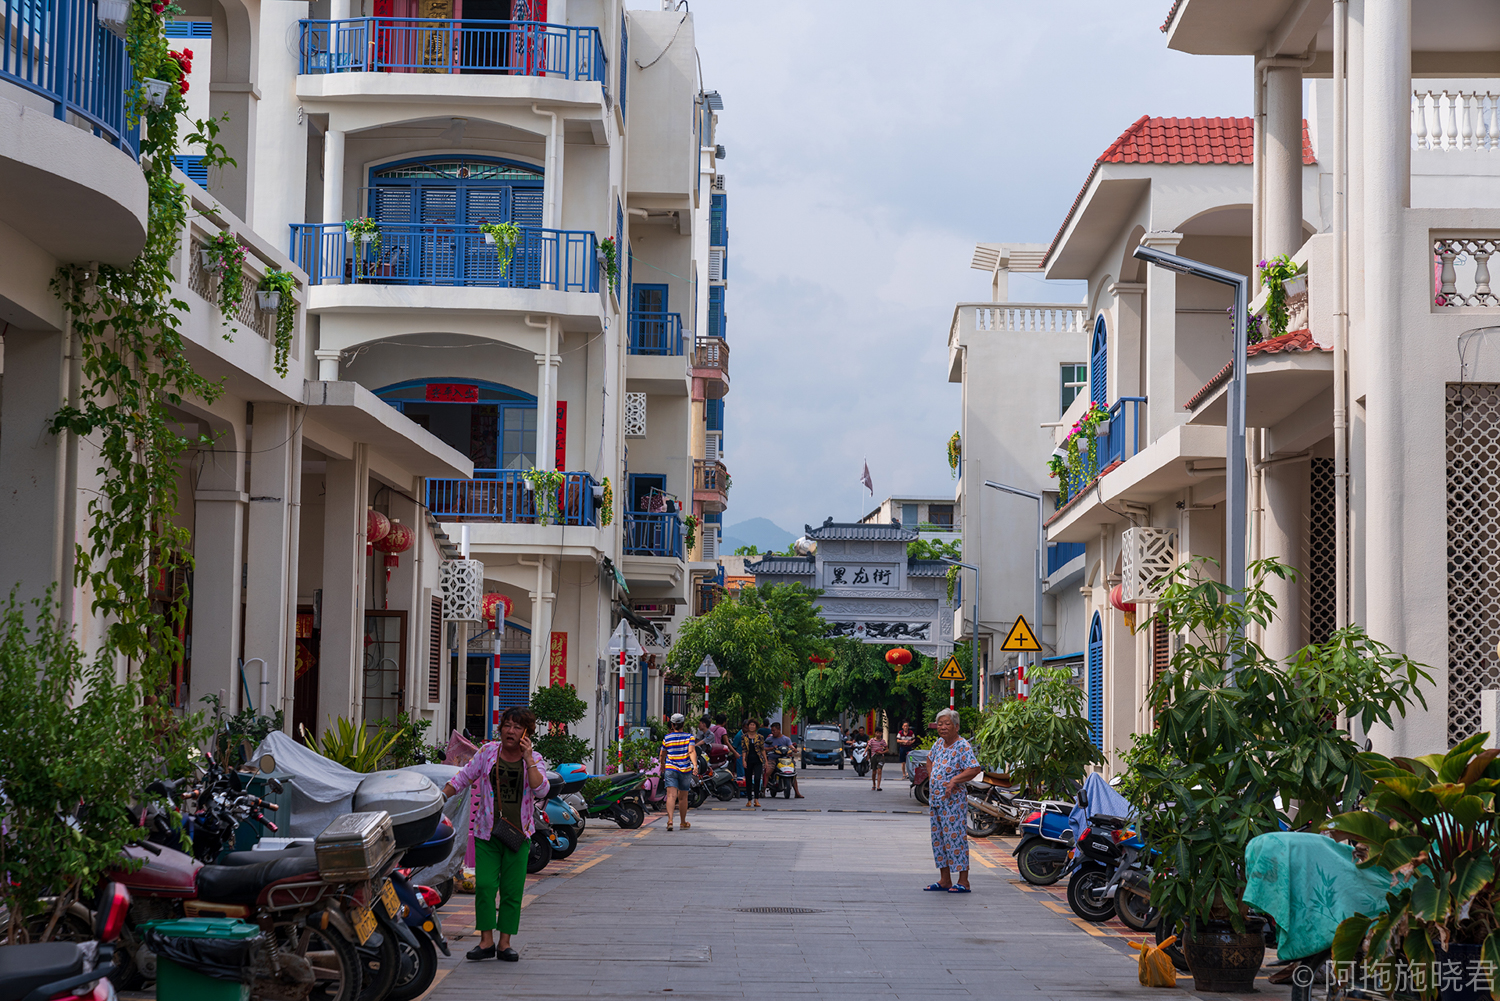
(716,311)
(1098,357)
(194,168)
(188,29)
(1096,682)
(718,228)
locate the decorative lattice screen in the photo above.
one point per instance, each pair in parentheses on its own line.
(1473,422)
(1147,557)
(462,583)
(635,415)
(1322,541)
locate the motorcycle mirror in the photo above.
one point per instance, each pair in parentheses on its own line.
(268,764)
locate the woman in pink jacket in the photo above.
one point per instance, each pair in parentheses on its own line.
(512,779)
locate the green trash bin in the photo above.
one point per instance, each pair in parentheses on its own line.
(176,982)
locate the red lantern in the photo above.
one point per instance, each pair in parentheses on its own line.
(377,527)
(489,603)
(898,658)
(1117,599)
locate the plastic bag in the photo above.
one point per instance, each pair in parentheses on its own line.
(1156,966)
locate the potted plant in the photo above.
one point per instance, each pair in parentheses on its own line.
(1433,818)
(955,453)
(691,524)
(504,236)
(1239,738)
(606,500)
(609,259)
(155,91)
(224,256)
(281,284)
(544,485)
(365,233)
(1275,274)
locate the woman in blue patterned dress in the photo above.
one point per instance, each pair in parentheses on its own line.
(953,764)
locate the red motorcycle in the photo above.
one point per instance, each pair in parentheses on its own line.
(68,971)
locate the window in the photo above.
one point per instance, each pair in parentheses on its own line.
(1075,377)
(940,515)
(909,517)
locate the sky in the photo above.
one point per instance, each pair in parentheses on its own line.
(868,150)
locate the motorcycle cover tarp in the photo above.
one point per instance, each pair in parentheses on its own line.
(1309,883)
(1102,798)
(220,958)
(322,790)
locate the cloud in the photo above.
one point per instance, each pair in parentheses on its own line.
(871,145)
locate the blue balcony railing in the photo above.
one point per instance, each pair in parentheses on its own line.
(442,45)
(501,495)
(58,49)
(655,333)
(1120,440)
(653,534)
(446,254)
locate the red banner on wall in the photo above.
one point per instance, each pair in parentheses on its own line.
(562,436)
(557,660)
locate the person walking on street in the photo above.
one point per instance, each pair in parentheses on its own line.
(753,753)
(876,750)
(906,739)
(679,763)
(513,779)
(953,763)
(781,744)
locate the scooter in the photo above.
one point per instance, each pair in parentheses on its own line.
(717,780)
(1097,853)
(1042,853)
(781,776)
(68,971)
(861,755)
(917,769)
(565,823)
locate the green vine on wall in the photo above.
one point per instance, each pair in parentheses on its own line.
(126,328)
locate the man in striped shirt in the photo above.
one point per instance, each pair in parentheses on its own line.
(679,762)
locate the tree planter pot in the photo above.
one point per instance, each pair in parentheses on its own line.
(113,14)
(1459,973)
(1224,961)
(489,238)
(210,262)
(598,492)
(268,302)
(1295,286)
(156,92)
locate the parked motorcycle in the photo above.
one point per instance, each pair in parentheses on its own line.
(621,802)
(1129,886)
(1097,853)
(716,780)
(68,970)
(917,770)
(1046,839)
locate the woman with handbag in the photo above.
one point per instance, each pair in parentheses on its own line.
(513,778)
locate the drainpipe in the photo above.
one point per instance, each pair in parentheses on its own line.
(1340,317)
(552,178)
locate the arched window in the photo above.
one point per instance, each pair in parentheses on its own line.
(1096,681)
(1098,357)
(456,189)
(494,425)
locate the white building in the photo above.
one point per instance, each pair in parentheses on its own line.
(427,376)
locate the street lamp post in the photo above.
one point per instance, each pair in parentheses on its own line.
(974,652)
(1041,549)
(1237,502)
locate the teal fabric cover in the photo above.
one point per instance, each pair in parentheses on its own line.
(1309,883)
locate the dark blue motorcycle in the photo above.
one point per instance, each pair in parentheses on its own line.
(1042,853)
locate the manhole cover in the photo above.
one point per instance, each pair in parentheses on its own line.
(778,910)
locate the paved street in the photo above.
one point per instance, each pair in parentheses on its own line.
(651,913)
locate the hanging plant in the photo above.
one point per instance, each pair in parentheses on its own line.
(1274,274)
(1079,464)
(505,236)
(284,283)
(228,258)
(545,484)
(955,453)
(361,232)
(952,576)
(1057,465)
(607,504)
(691,524)
(611,261)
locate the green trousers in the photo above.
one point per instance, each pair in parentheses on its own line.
(498,870)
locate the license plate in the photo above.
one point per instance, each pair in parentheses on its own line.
(389,900)
(364,924)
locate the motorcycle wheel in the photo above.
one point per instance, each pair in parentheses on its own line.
(1134,911)
(979,824)
(536,861)
(629,816)
(1164,931)
(379,966)
(424,968)
(724,793)
(841,764)
(696,796)
(335,962)
(786,793)
(568,834)
(1039,874)
(920,791)
(1084,897)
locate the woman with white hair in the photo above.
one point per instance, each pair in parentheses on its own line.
(953,763)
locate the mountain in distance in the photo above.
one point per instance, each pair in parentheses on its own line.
(763,533)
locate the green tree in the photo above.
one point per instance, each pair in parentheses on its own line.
(747,551)
(758,639)
(558,706)
(934,549)
(1043,740)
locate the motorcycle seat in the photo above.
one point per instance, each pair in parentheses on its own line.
(241,884)
(251,857)
(1105,820)
(25,968)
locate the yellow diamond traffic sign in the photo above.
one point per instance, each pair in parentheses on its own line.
(951,671)
(1021,639)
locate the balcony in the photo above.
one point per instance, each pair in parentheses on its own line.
(653,535)
(418,45)
(501,496)
(446,254)
(711,365)
(1121,439)
(658,334)
(711,484)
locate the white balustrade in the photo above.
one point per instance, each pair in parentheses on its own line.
(1461,269)
(1031,318)
(1455,120)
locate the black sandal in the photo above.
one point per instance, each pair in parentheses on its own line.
(509,955)
(480,952)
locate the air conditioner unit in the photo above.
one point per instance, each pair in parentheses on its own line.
(462,584)
(1147,558)
(716,263)
(718,183)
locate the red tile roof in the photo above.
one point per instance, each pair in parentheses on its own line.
(1295,341)
(1179,140)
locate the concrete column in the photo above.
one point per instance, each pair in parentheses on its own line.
(39,544)
(219,553)
(328,364)
(1283,166)
(404,592)
(1161,342)
(1284,535)
(546,395)
(542,599)
(340,656)
(333,173)
(275,452)
(236,103)
(1125,356)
